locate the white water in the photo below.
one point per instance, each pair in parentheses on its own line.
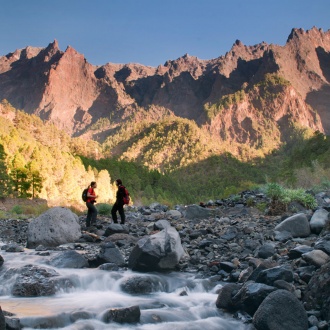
(96,291)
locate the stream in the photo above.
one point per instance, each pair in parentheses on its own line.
(181,302)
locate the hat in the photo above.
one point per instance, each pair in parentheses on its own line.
(119,181)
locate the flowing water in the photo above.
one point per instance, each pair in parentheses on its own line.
(96,291)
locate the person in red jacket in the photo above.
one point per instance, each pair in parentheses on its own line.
(91,200)
(119,204)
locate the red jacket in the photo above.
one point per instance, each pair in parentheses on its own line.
(91,192)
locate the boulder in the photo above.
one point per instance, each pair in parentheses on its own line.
(323,244)
(196,212)
(69,259)
(225,296)
(318,220)
(56,226)
(317,294)
(251,295)
(142,284)
(297,225)
(2,320)
(269,276)
(173,214)
(280,310)
(316,258)
(34,281)
(109,253)
(115,228)
(161,251)
(265,251)
(122,315)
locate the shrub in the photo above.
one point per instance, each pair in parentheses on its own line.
(104,209)
(17,209)
(283,197)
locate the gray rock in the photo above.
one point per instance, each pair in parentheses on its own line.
(173,214)
(116,228)
(323,244)
(318,220)
(297,225)
(143,284)
(69,259)
(12,248)
(269,276)
(280,310)
(56,226)
(265,251)
(109,253)
(122,315)
(316,258)
(34,281)
(251,295)
(196,212)
(160,251)
(161,224)
(225,296)
(298,251)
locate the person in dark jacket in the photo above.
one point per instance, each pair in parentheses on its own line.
(91,199)
(119,204)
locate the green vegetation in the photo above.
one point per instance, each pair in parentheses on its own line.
(225,102)
(281,197)
(171,161)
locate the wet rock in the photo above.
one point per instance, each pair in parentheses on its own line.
(280,310)
(109,267)
(2,320)
(109,253)
(34,281)
(269,276)
(12,248)
(123,315)
(225,296)
(68,259)
(251,295)
(142,284)
(1,260)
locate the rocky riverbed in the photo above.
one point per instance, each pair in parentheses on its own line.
(274,270)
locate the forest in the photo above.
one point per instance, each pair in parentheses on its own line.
(39,160)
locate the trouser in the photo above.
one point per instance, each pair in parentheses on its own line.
(120,208)
(91,214)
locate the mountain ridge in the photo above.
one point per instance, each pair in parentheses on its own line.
(255,91)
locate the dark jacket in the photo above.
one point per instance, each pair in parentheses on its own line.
(120,195)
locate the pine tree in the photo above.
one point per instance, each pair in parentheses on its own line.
(5,180)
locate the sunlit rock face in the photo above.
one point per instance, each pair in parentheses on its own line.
(61,86)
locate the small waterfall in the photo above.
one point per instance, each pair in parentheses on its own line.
(174,300)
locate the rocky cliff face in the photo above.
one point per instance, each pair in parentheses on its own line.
(64,88)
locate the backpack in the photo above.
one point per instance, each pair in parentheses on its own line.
(84,195)
(126,196)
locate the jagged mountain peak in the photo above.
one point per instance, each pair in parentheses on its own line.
(65,88)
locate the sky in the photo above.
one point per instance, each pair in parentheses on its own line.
(150,32)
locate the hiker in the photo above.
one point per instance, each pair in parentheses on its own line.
(119,204)
(91,199)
